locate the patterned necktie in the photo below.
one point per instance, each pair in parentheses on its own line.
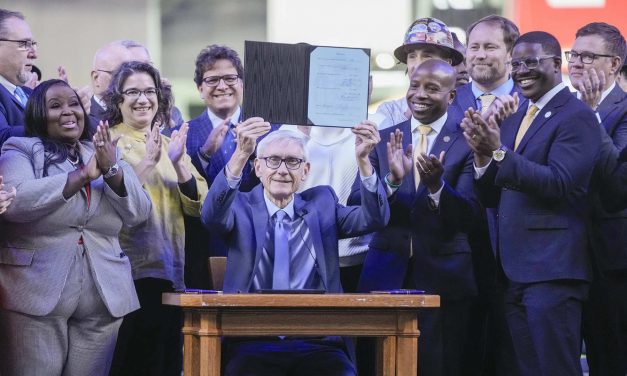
(525,124)
(281,270)
(486,100)
(229,144)
(21,96)
(422,147)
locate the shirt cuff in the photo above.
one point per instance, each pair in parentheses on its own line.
(370,182)
(233,181)
(435,197)
(480,171)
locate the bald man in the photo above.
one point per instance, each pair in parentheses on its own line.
(427,168)
(106,60)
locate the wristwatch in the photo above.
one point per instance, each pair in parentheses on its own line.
(113,170)
(499,154)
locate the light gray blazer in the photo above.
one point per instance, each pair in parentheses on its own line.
(40,230)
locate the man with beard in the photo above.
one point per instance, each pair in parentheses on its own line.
(17,52)
(534,171)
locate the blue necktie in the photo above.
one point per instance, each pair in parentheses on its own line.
(281,270)
(229,144)
(21,96)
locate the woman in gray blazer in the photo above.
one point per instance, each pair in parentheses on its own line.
(64,281)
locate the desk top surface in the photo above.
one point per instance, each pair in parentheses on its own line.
(347,301)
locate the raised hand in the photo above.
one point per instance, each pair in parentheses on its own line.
(177,149)
(399,160)
(247,134)
(591,86)
(482,137)
(216,138)
(502,107)
(106,147)
(153,145)
(430,168)
(366,138)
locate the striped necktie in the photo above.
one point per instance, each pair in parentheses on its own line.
(281,269)
(21,96)
(486,100)
(525,124)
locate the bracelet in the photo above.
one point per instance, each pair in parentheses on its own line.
(389,183)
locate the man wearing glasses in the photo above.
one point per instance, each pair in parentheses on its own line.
(593,65)
(106,60)
(282,240)
(535,170)
(17,52)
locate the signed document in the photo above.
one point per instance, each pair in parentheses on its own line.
(306,85)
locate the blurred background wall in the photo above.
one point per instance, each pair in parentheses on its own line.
(70,31)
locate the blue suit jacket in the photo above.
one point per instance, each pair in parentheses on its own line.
(540,192)
(242,218)
(11,114)
(609,230)
(442,257)
(465,98)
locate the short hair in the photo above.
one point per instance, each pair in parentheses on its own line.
(510,30)
(212,53)
(36,123)
(6,14)
(283,135)
(113,96)
(614,40)
(549,43)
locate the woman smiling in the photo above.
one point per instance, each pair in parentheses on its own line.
(149,339)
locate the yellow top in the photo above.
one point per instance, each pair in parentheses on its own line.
(156,248)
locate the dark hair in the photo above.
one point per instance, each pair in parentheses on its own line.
(614,40)
(212,53)
(510,30)
(6,14)
(549,43)
(36,124)
(113,96)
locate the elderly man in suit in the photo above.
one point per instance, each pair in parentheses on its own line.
(427,167)
(279,239)
(593,65)
(107,59)
(17,52)
(535,170)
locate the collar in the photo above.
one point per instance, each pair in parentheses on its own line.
(272,209)
(127,130)
(216,120)
(100,102)
(505,88)
(547,96)
(436,125)
(9,86)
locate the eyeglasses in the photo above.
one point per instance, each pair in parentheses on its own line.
(586,57)
(530,62)
(105,71)
(24,45)
(291,163)
(229,79)
(134,93)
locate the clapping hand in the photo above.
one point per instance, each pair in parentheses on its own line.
(6,197)
(177,148)
(216,138)
(430,168)
(399,160)
(106,147)
(591,86)
(502,107)
(153,145)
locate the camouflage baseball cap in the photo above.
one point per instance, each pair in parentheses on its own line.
(428,31)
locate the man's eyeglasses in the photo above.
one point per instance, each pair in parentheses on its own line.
(586,57)
(290,162)
(229,79)
(134,93)
(530,62)
(105,71)
(24,45)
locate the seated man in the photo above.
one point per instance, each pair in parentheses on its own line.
(279,239)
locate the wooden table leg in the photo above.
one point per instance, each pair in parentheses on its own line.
(386,356)
(210,345)
(190,343)
(407,344)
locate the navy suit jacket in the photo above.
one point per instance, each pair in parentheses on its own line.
(442,257)
(540,191)
(242,218)
(11,114)
(465,98)
(609,230)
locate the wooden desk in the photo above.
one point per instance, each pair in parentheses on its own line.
(391,318)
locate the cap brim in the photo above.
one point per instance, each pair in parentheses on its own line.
(401,54)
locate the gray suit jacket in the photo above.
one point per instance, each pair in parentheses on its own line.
(40,231)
